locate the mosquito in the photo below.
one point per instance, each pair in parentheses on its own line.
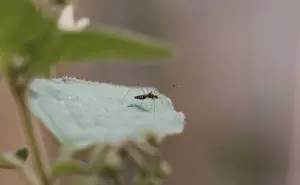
(150,95)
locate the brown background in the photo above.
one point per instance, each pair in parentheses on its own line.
(237,76)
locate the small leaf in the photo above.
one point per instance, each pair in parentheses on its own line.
(10,161)
(97,156)
(163,170)
(69,167)
(149,149)
(135,155)
(106,44)
(112,163)
(81,113)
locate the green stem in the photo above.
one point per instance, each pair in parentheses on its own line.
(19,92)
(29,177)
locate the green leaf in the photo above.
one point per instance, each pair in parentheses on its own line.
(162,170)
(68,167)
(21,22)
(81,113)
(27,31)
(13,160)
(107,44)
(41,52)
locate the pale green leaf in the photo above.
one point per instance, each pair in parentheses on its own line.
(81,113)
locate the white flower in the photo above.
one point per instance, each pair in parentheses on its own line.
(66,20)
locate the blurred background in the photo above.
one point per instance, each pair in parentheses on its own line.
(237,72)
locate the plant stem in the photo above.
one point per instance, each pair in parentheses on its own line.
(117,180)
(19,92)
(28,175)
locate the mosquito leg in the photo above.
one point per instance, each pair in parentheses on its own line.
(143,90)
(127,94)
(158,94)
(143,94)
(155,91)
(142,103)
(153,106)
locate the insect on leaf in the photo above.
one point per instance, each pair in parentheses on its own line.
(80,113)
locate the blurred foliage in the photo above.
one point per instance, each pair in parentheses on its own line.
(31,43)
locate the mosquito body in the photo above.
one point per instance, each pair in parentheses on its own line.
(150,95)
